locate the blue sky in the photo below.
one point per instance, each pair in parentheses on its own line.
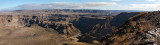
(81,4)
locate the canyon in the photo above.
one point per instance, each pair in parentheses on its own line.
(60,27)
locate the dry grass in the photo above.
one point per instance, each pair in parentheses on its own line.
(29,36)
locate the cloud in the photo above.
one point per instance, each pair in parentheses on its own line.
(152,6)
(64,5)
(151,0)
(116,0)
(145,5)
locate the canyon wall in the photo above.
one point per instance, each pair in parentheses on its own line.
(142,29)
(60,23)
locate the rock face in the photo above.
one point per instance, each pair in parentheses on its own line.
(142,29)
(122,17)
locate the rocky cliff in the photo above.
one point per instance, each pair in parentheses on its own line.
(142,29)
(122,17)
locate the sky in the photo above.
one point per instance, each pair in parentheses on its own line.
(146,5)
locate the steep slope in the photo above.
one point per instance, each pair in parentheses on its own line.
(86,24)
(122,17)
(142,29)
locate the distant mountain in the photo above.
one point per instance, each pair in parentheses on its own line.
(70,11)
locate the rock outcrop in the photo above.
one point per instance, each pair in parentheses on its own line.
(142,29)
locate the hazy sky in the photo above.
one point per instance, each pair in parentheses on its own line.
(81,4)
